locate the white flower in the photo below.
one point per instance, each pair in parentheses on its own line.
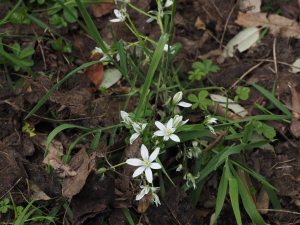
(145,190)
(167,48)
(138,128)
(177,121)
(97,50)
(166,131)
(177,100)
(168,3)
(125,117)
(211,120)
(179,168)
(120,14)
(146,164)
(208,121)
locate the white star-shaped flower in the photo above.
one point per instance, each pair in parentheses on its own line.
(166,131)
(120,16)
(138,128)
(125,118)
(146,164)
(177,100)
(145,190)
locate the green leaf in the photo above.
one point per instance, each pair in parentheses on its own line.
(70,14)
(274,100)
(26,52)
(192,98)
(234,198)
(59,129)
(150,74)
(249,204)
(243,92)
(221,195)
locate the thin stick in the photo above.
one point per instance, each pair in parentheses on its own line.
(226,24)
(245,74)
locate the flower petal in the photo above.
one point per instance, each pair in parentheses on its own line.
(159,133)
(118,13)
(115,20)
(134,137)
(134,162)
(144,153)
(154,155)
(174,137)
(170,123)
(155,166)
(184,104)
(138,171)
(166,138)
(149,176)
(160,125)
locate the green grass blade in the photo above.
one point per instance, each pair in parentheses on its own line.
(247,200)
(273,197)
(59,129)
(150,74)
(234,198)
(56,86)
(249,205)
(91,27)
(274,100)
(257,176)
(127,215)
(221,195)
(25,214)
(8,15)
(164,171)
(123,59)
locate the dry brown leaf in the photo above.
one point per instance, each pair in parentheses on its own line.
(278,25)
(252,6)
(102,9)
(295,124)
(262,202)
(37,194)
(52,159)
(81,163)
(199,24)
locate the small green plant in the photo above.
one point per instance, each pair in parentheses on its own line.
(242,93)
(202,68)
(58,21)
(61,45)
(4,205)
(19,58)
(202,101)
(63,12)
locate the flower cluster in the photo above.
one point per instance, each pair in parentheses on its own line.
(148,162)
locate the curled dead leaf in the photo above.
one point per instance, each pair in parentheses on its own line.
(263,201)
(82,164)
(252,6)
(278,25)
(199,24)
(55,151)
(295,66)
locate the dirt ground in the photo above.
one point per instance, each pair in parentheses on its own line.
(22,172)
